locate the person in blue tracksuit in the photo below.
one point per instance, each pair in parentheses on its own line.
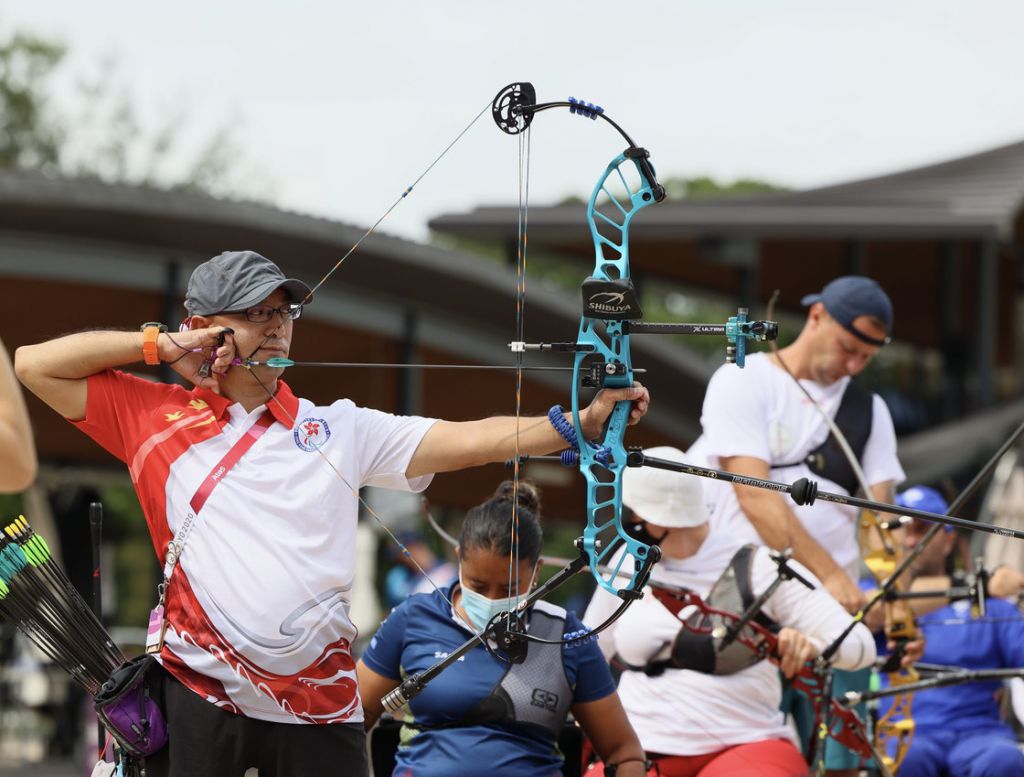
(959,731)
(482,714)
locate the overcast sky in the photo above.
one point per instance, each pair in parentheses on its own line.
(342,105)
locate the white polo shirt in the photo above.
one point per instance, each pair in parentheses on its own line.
(258,606)
(758,411)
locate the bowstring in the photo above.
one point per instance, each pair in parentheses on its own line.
(272,397)
(405,193)
(523,184)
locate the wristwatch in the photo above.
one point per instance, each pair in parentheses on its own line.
(150,332)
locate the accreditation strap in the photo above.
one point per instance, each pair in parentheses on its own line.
(206,487)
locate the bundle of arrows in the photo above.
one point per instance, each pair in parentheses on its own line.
(37,596)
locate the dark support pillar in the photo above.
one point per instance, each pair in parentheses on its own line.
(745,255)
(409,393)
(987,307)
(747,287)
(950,289)
(954,344)
(856,257)
(170,312)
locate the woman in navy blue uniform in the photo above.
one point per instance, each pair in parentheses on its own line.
(483,713)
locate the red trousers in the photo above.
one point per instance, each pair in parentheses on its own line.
(767,758)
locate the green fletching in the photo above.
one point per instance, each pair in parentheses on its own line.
(279,361)
(4,590)
(35,554)
(36,550)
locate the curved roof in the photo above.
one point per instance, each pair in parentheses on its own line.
(464,300)
(977,196)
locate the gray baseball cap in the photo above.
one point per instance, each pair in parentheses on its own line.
(237,280)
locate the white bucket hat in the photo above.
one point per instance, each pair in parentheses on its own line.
(673,500)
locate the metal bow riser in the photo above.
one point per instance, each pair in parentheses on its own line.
(609,292)
(602,353)
(894,730)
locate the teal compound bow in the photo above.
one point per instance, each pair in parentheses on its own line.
(611,311)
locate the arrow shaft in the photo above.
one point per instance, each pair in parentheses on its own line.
(397,366)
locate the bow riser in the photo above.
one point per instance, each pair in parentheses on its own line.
(881,554)
(609,295)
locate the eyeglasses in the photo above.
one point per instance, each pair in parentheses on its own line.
(260,314)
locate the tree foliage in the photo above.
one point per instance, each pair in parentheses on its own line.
(97,132)
(30,136)
(704,187)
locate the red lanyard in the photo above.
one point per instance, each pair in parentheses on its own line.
(157,620)
(238,450)
(217,474)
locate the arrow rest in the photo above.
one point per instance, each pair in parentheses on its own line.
(511,105)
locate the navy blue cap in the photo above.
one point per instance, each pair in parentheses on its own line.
(851,296)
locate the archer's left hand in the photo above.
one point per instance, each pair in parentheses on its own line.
(596,413)
(793,651)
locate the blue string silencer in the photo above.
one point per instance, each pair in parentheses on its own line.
(579,638)
(583,108)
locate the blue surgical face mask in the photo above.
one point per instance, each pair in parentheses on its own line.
(481,609)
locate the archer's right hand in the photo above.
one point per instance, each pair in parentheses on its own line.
(186,352)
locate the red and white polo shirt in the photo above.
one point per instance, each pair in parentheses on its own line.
(258,606)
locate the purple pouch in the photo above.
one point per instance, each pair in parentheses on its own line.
(126,710)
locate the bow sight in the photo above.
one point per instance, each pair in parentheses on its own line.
(737,331)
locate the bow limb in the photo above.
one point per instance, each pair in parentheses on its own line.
(849,730)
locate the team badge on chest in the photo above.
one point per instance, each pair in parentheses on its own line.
(312,433)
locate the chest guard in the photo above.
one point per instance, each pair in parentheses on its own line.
(853,418)
(697,645)
(533,694)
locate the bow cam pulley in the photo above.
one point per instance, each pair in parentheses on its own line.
(511,107)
